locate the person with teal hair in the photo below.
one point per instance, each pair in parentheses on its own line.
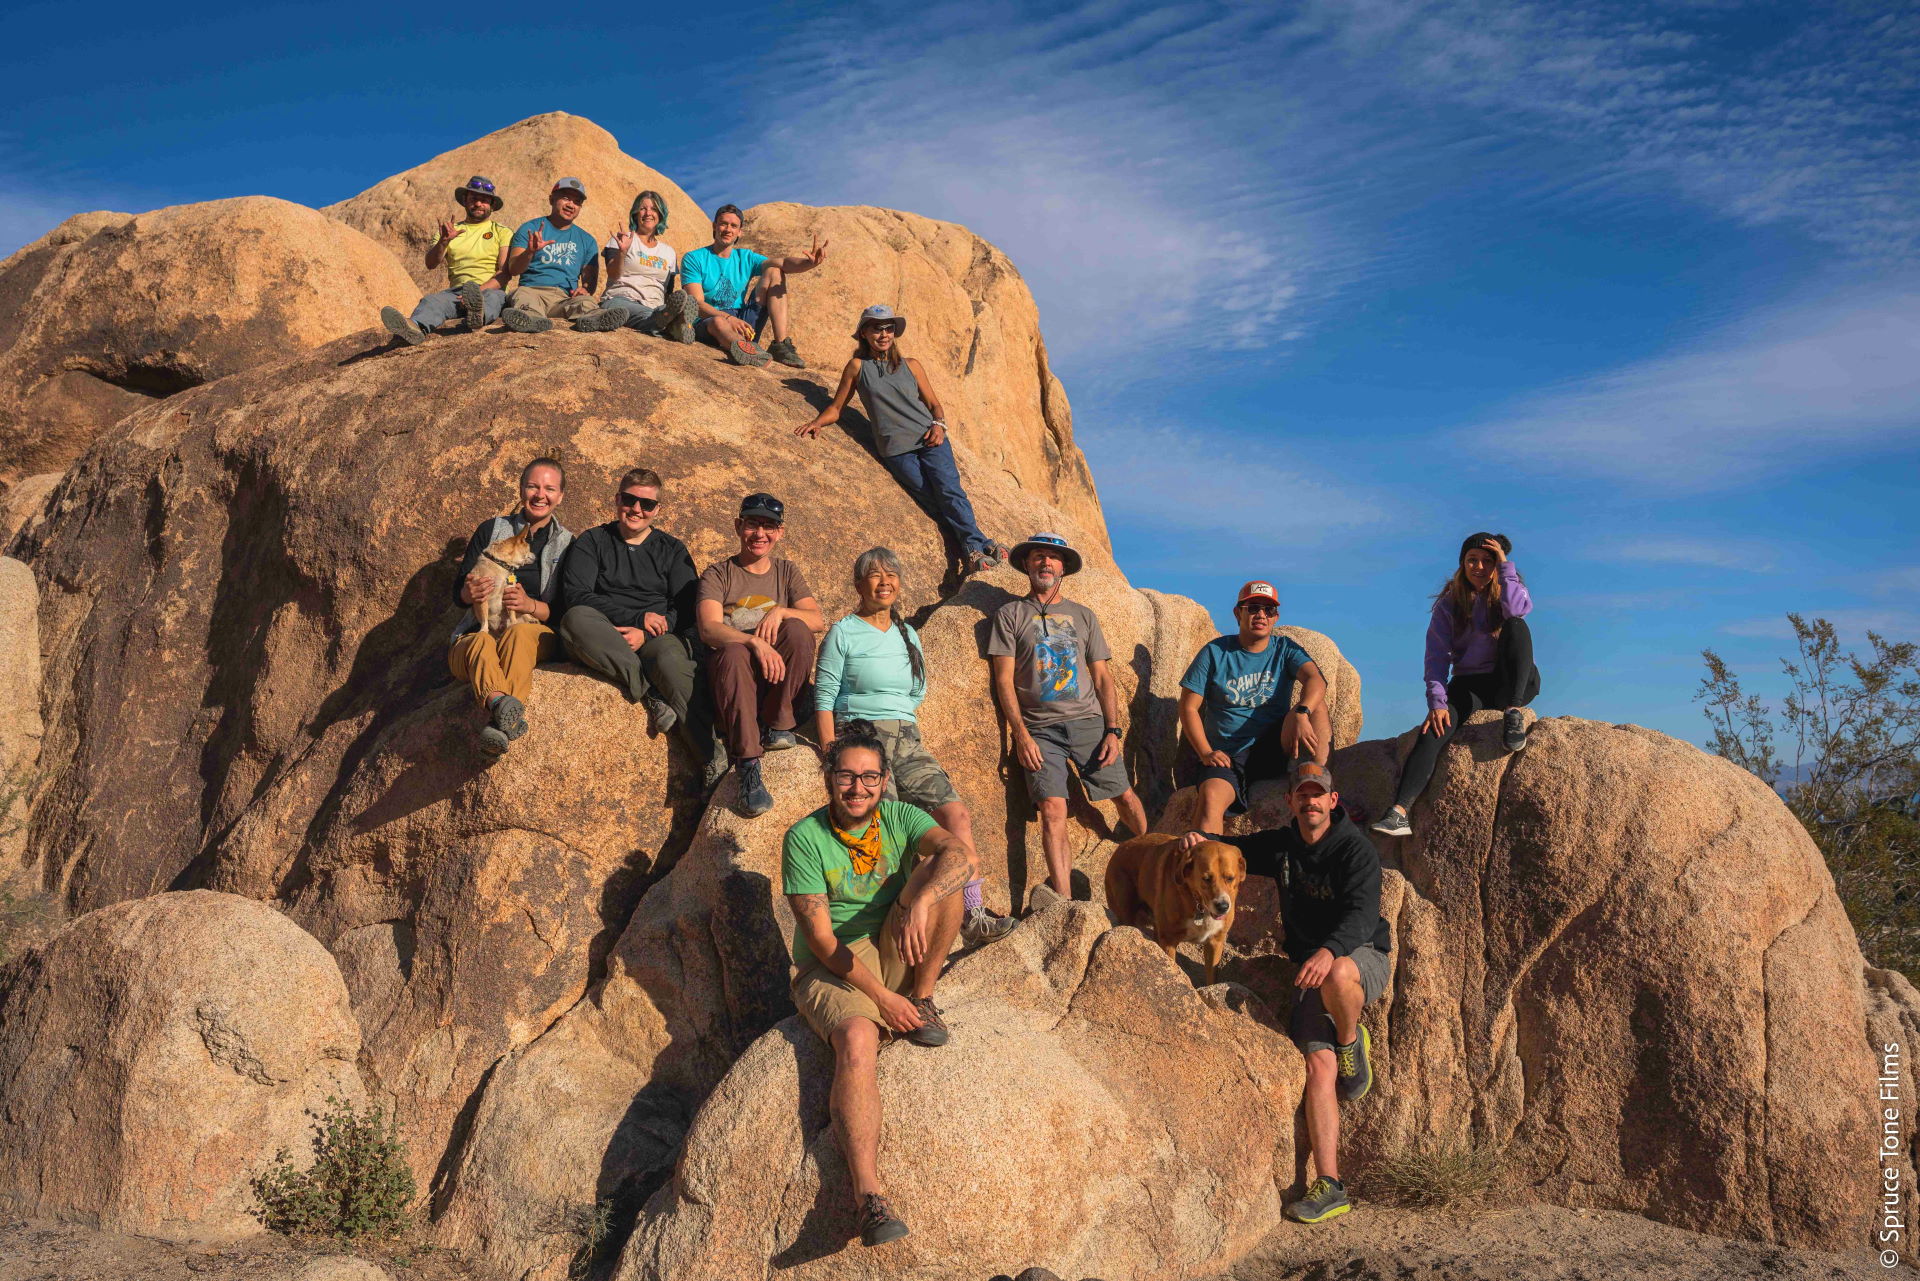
(642,271)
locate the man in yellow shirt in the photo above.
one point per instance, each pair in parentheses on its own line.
(475,252)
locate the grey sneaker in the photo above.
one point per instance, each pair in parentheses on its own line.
(401,327)
(933,1029)
(508,715)
(981,926)
(1324,1200)
(1393,823)
(660,717)
(779,740)
(742,352)
(682,311)
(601,320)
(1513,730)
(1355,1067)
(473,306)
(492,741)
(781,349)
(715,769)
(522,321)
(878,1224)
(752,799)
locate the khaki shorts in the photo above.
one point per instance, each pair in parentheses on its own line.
(826,1000)
(913,775)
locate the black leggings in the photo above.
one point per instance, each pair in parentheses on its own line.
(1513,682)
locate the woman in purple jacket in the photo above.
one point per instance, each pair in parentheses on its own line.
(1478,633)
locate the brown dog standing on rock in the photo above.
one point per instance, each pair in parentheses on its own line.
(1187,896)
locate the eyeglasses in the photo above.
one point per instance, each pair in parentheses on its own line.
(634,500)
(847,778)
(1259,607)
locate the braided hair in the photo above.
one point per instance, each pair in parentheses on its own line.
(883,558)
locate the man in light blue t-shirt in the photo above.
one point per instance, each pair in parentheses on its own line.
(720,277)
(1234,709)
(558,264)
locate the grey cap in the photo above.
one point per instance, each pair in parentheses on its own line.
(884,314)
(571,184)
(1311,772)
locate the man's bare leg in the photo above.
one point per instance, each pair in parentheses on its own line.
(855,1103)
(947,915)
(1053,840)
(1344,997)
(1133,813)
(1323,1112)
(1215,795)
(774,281)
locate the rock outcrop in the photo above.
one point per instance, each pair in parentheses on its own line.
(523,160)
(155,1054)
(1093,1113)
(20,725)
(110,311)
(1893,1042)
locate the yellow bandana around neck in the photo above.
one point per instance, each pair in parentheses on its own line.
(864,850)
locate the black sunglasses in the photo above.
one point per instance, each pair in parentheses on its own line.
(634,500)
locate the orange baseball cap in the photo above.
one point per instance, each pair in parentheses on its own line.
(1257,590)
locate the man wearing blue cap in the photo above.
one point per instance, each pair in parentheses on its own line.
(475,253)
(558,264)
(1050,679)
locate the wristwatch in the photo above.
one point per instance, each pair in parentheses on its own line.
(1303,709)
(1113,730)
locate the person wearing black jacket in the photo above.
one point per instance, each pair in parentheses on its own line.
(1329,877)
(628,590)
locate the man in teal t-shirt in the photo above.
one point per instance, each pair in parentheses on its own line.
(874,887)
(551,255)
(720,277)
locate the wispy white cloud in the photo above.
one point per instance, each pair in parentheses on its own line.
(1901,580)
(1708,553)
(1804,383)
(1851,624)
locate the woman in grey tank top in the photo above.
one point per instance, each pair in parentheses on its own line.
(909,430)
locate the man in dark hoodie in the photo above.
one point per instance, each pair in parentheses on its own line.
(1329,877)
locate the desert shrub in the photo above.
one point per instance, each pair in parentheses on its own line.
(359,1184)
(1435,1176)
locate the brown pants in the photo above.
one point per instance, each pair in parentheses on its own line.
(548,300)
(505,665)
(746,702)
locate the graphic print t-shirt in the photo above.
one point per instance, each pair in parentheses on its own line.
(1243,695)
(1051,647)
(474,251)
(723,281)
(560,260)
(643,272)
(745,598)
(813,861)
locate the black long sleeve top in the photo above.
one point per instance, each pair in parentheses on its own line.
(627,582)
(1329,892)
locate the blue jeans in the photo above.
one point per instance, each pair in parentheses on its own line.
(754,313)
(638,315)
(932,477)
(436,310)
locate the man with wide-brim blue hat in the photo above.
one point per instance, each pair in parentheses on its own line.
(475,253)
(1051,682)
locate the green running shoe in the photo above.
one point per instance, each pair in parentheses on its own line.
(1356,1067)
(1324,1200)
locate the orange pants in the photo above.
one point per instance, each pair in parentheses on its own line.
(503,666)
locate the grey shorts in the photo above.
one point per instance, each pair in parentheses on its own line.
(1310,1026)
(914,776)
(1074,741)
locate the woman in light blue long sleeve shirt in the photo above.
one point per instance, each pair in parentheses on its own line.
(872,668)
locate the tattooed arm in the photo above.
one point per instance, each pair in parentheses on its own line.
(946,864)
(816,926)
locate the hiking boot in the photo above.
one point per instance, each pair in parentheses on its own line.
(1513,730)
(715,769)
(522,321)
(751,799)
(508,715)
(472,306)
(781,349)
(779,740)
(1393,823)
(933,1029)
(1324,1200)
(1356,1067)
(981,561)
(493,742)
(682,310)
(601,320)
(402,328)
(981,926)
(877,1222)
(742,352)
(660,717)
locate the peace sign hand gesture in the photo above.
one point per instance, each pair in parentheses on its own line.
(446,231)
(819,254)
(536,241)
(623,238)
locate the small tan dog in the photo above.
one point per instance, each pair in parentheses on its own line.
(498,563)
(1186,896)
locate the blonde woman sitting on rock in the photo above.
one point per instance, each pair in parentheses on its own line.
(500,669)
(872,668)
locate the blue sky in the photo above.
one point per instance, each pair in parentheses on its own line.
(1330,284)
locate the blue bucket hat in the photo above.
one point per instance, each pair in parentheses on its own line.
(1069,558)
(479,186)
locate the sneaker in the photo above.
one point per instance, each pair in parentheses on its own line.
(1356,1067)
(1324,1200)
(715,769)
(402,328)
(472,305)
(981,561)
(781,349)
(742,352)
(660,717)
(933,1029)
(779,740)
(601,320)
(1514,730)
(492,741)
(878,1225)
(682,310)
(1393,823)
(508,715)
(752,799)
(981,926)
(522,321)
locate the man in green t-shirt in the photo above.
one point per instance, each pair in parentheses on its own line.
(874,887)
(475,254)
